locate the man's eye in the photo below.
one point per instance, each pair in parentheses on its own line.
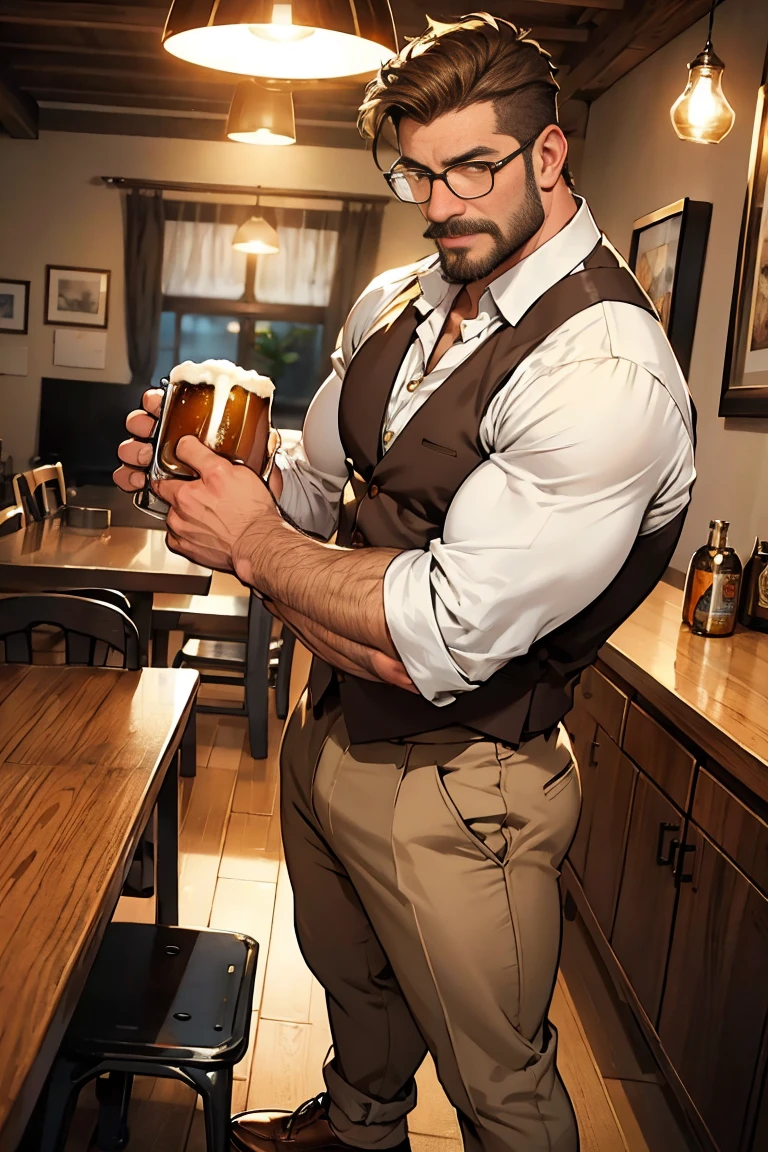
(471,169)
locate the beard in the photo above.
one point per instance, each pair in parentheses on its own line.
(458,266)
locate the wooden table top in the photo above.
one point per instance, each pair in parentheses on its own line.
(715,689)
(83,752)
(131,559)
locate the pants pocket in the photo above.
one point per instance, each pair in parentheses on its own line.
(557,782)
(470,786)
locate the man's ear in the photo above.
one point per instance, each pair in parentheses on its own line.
(553,151)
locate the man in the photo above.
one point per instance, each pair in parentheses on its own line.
(505,445)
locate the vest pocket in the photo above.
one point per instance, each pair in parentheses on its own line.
(438,447)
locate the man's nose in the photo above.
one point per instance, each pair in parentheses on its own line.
(443,204)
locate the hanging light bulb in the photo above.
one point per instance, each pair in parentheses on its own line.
(259,115)
(702,114)
(302,40)
(256,237)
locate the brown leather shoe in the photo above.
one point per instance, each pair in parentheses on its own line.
(305,1130)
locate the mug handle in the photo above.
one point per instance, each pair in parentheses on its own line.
(145,498)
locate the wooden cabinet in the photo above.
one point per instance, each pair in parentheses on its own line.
(581,726)
(646,903)
(715,1002)
(656,751)
(604,700)
(613,783)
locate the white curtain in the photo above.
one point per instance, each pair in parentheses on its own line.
(302,271)
(199,260)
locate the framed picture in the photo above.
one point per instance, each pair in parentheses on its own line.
(76,296)
(745,375)
(14,306)
(667,255)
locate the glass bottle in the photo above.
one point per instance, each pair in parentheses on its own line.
(753,610)
(712,585)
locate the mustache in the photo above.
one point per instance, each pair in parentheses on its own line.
(459,226)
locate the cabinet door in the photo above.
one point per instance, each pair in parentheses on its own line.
(715,1001)
(582,729)
(643,927)
(613,785)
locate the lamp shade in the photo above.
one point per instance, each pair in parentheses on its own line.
(303,40)
(260,116)
(256,237)
(702,114)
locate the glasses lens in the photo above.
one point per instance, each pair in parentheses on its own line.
(469,180)
(411,185)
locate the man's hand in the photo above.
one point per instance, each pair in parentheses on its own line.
(207,516)
(136,454)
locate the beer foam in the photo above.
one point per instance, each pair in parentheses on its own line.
(223,374)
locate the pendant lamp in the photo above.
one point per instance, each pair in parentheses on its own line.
(302,40)
(260,115)
(256,237)
(702,114)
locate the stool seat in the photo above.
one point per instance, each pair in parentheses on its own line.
(157,993)
(158,1001)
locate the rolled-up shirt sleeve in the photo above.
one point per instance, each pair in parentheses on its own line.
(583,459)
(313,470)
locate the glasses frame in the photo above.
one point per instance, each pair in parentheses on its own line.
(492,166)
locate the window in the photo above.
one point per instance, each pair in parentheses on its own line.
(266,313)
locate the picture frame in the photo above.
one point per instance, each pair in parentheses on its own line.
(77,297)
(667,254)
(14,307)
(745,371)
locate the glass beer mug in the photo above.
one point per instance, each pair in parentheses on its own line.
(225,407)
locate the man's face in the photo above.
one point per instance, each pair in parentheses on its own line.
(473,236)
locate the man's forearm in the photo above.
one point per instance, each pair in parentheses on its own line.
(341,589)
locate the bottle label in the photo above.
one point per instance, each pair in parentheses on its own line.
(715,610)
(762,588)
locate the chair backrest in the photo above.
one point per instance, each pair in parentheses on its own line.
(91,629)
(11,519)
(45,485)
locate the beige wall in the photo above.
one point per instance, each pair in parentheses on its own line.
(54,210)
(633,163)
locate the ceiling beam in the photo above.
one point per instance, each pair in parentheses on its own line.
(19,113)
(654,21)
(117,17)
(610,5)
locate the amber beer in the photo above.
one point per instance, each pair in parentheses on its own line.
(225,407)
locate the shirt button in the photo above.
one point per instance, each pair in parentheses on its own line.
(388,436)
(373,490)
(412,385)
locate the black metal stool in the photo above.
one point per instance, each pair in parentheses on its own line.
(159,1001)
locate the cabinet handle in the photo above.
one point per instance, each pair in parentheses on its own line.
(682,876)
(669,859)
(592,762)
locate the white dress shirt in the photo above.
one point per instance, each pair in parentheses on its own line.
(589,443)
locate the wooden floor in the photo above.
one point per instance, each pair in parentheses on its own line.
(233,876)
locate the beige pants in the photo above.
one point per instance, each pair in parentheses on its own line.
(425,874)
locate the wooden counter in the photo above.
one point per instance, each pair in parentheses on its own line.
(715,690)
(669,865)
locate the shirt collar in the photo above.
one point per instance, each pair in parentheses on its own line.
(520,287)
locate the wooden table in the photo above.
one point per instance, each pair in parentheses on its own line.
(84,757)
(134,560)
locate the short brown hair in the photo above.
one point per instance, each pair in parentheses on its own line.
(450,66)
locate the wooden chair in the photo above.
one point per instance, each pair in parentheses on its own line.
(11,519)
(92,630)
(159,1001)
(248,660)
(45,486)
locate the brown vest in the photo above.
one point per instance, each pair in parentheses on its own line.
(400,500)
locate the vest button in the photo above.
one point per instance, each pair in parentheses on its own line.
(387,436)
(358,540)
(373,491)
